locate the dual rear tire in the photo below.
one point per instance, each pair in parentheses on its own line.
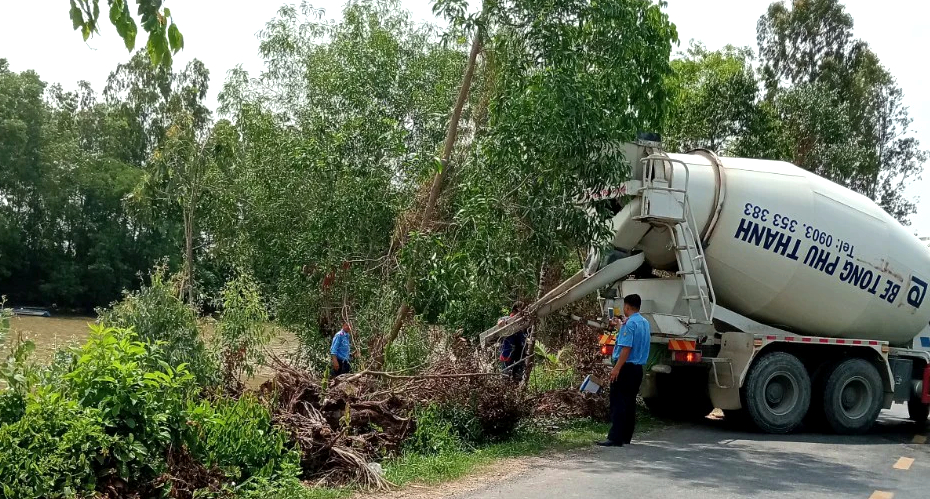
(777,394)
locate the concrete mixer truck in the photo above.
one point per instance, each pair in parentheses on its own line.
(773,294)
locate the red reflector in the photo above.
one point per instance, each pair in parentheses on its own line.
(607,350)
(770,337)
(824,340)
(680,356)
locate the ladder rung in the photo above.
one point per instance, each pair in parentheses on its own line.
(689,272)
(681,248)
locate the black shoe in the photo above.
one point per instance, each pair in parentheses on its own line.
(609,443)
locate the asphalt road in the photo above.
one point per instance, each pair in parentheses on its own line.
(713,461)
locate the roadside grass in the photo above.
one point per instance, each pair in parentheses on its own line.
(538,437)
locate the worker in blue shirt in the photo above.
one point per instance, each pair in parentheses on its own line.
(340,352)
(630,354)
(513,348)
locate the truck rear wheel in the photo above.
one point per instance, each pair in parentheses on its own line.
(777,392)
(918,411)
(853,396)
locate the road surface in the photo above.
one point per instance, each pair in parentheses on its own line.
(713,461)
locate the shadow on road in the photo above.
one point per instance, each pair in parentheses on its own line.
(712,455)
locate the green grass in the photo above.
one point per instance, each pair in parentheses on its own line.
(529,441)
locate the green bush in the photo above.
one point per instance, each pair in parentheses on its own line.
(140,405)
(434,434)
(243,330)
(54,449)
(443,428)
(158,315)
(238,437)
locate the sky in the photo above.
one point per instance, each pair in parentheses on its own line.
(221,33)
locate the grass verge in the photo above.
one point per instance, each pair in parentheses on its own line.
(534,439)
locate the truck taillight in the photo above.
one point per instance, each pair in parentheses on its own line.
(682,356)
(607,349)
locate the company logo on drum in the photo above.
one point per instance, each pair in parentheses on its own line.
(917,292)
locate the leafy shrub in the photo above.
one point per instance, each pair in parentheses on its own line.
(158,315)
(55,449)
(286,487)
(19,376)
(238,436)
(140,405)
(435,432)
(243,330)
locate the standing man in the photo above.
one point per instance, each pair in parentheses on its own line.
(513,347)
(340,351)
(630,354)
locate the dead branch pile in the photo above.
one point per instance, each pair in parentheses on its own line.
(571,404)
(338,430)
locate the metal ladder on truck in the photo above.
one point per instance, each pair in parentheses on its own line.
(666,205)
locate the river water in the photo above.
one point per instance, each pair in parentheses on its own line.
(51,334)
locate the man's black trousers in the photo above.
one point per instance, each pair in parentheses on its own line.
(623,393)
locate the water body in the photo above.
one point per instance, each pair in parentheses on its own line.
(51,334)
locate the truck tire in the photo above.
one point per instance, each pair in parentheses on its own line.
(918,411)
(853,396)
(816,419)
(777,392)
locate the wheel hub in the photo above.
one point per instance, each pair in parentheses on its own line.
(855,397)
(781,393)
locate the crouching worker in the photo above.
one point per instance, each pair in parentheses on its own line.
(513,347)
(339,352)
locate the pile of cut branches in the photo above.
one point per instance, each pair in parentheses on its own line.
(339,430)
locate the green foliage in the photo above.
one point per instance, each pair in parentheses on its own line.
(243,329)
(164,37)
(113,372)
(840,112)
(238,436)
(443,428)
(66,235)
(18,377)
(337,134)
(157,315)
(54,450)
(712,98)
(527,441)
(552,370)
(551,106)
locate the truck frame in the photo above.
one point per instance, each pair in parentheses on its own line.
(705,356)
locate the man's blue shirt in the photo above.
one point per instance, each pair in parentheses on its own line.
(340,346)
(634,334)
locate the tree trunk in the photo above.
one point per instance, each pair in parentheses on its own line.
(529,350)
(435,190)
(189,255)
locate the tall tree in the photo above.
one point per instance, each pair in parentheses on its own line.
(841,109)
(712,98)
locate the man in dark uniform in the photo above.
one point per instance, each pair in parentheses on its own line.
(630,354)
(513,347)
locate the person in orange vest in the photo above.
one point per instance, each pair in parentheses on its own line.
(513,347)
